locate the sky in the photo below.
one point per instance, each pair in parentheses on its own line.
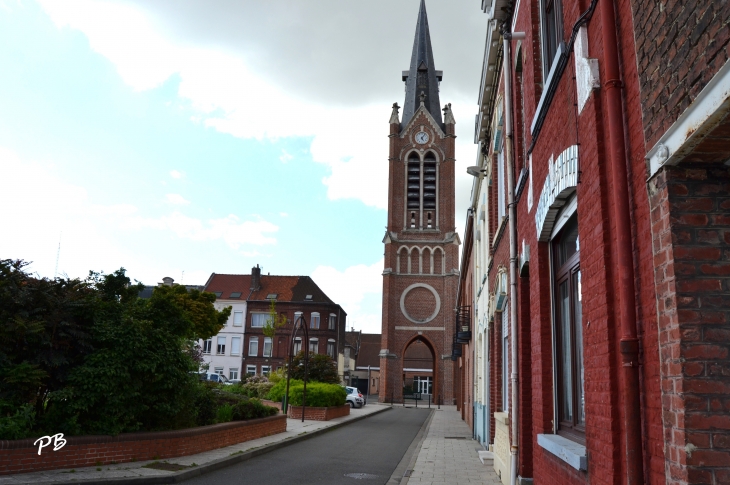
(180,138)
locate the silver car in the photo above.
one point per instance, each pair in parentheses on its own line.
(354,398)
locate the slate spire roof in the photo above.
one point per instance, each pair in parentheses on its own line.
(422,77)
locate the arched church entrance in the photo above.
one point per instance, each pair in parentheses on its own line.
(419,369)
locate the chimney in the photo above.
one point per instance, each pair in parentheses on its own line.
(255,278)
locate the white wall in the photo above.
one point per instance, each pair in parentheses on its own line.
(227,360)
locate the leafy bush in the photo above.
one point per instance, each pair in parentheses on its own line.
(17,425)
(224,414)
(252,409)
(320,368)
(319,394)
(277,375)
(277,392)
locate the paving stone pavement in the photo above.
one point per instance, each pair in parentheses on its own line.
(136,472)
(443,460)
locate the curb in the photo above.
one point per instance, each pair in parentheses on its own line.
(214,465)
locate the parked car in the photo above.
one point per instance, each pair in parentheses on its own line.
(211,376)
(354,398)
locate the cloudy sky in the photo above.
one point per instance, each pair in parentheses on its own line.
(179,137)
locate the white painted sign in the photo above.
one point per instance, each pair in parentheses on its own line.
(560,182)
(57,439)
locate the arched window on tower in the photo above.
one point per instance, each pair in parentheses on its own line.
(414,191)
(429,191)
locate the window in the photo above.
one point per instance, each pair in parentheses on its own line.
(221,349)
(297,345)
(236,294)
(207,345)
(258,320)
(218,370)
(237,319)
(267,347)
(314,322)
(251,370)
(233,373)
(421,191)
(552,32)
(332,322)
(313,346)
(296,316)
(331,348)
(253,346)
(569,331)
(501,187)
(235,345)
(265,370)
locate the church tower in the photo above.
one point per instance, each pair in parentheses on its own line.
(421,246)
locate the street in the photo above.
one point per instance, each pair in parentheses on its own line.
(372,446)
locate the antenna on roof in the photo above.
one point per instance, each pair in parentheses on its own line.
(58,254)
(182,278)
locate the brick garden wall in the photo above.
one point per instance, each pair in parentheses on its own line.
(680,46)
(691,235)
(319,414)
(21,456)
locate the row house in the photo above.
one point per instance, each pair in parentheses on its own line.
(242,346)
(596,267)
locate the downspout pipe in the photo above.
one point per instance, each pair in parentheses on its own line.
(511,205)
(629,343)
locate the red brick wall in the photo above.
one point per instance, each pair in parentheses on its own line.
(680,46)
(691,234)
(319,414)
(21,456)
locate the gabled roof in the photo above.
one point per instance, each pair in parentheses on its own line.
(227,284)
(290,288)
(422,77)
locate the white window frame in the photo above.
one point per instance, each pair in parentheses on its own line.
(218,370)
(251,370)
(315,342)
(331,348)
(207,346)
(332,324)
(220,349)
(314,321)
(233,345)
(258,320)
(232,373)
(253,341)
(501,187)
(297,315)
(237,319)
(297,345)
(268,342)
(505,359)
(265,370)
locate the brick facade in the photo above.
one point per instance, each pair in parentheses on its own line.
(319,414)
(21,456)
(691,235)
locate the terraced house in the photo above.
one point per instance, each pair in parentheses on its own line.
(598,243)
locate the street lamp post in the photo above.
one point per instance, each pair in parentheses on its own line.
(301,323)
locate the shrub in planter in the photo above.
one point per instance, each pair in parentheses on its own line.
(319,394)
(224,414)
(277,392)
(252,409)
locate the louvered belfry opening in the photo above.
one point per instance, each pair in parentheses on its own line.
(414,190)
(429,191)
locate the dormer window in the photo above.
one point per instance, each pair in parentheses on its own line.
(308,298)
(272,296)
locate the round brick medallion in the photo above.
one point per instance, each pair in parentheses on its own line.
(420,303)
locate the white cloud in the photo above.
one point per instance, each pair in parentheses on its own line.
(175,174)
(286,156)
(349,139)
(176,199)
(283,214)
(350,287)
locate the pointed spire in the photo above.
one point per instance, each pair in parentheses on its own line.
(422,77)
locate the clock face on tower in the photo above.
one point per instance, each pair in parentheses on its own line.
(421,137)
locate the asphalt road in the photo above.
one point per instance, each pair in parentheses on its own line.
(372,446)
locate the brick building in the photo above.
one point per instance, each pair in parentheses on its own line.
(293,296)
(421,245)
(603,138)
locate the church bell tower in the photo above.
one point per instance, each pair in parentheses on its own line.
(421,245)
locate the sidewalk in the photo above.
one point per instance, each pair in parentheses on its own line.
(449,455)
(175,470)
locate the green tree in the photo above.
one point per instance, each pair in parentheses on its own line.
(274,321)
(321,368)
